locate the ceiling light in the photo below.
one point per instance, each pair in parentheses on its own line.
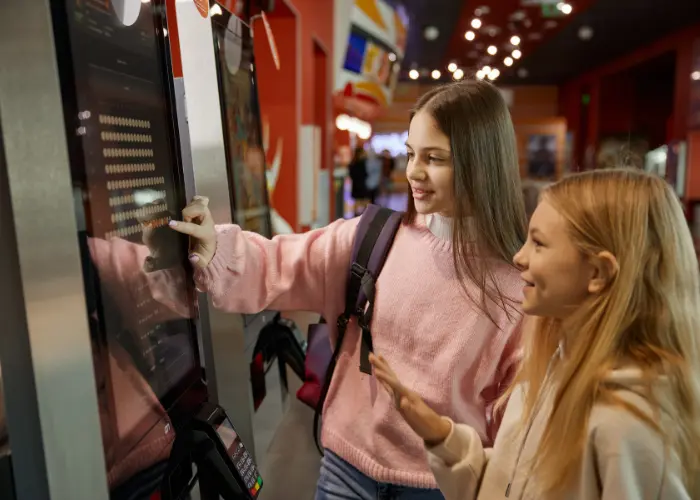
(476,23)
(482,11)
(486,70)
(515,40)
(585,32)
(392,57)
(413,74)
(458,75)
(508,61)
(480,75)
(517,54)
(431,33)
(436,74)
(527,23)
(522,73)
(566,8)
(494,74)
(695,75)
(215,10)
(492,50)
(452,67)
(469,35)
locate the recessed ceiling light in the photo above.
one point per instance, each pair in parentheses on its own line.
(515,40)
(493,30)
(469,35)
(436,74)
(495,73)
(585,32)
(522,73)
(476,23)
(566,8)
(482,11)
(695,75)
(413,74)
(492,50)
(458,75)
(480,74)
(517,54)
(508,61)
(392,57)
(452,67)
(518,15)
(486,70)
(431,33)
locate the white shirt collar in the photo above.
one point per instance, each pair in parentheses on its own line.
(440,226)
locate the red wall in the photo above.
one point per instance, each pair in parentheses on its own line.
(610,107)
(303,31)
(277,91)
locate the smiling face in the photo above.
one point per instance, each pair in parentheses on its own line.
(558,276)
(429,169)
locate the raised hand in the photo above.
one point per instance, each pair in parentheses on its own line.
(430,426)
(198,224)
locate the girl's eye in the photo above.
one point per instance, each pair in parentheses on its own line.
(410,155)
(435,159)
(537,243)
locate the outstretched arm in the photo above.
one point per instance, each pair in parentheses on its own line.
(245,272)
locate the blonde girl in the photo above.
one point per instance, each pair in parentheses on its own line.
(606,403)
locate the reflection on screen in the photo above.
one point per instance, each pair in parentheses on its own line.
(244,148)
(125,167)
(227,434)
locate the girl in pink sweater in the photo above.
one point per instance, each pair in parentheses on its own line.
(447,305)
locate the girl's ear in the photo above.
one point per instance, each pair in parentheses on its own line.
(605,270)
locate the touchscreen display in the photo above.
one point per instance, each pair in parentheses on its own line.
(241,116)
(126,177)
(242,460)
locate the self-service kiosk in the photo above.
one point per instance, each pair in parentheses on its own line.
(116,374)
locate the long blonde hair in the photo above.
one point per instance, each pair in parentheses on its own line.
(648,316)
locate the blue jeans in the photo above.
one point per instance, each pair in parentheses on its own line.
(341,481)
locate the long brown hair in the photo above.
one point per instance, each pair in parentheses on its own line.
(648,317)
(487,187)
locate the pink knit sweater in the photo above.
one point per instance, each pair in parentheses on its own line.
(440,345)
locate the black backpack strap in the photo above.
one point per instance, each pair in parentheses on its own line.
(375,234)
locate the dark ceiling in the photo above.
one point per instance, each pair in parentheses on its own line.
(552,48)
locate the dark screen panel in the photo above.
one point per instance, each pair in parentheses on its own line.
(128,183)
(245,156)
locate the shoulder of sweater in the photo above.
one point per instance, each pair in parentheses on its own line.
(615,430)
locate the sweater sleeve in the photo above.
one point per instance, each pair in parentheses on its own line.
(459,463)
(301,272)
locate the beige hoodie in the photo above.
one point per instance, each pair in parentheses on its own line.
(623,457)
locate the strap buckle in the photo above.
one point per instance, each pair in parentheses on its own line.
(357,270)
